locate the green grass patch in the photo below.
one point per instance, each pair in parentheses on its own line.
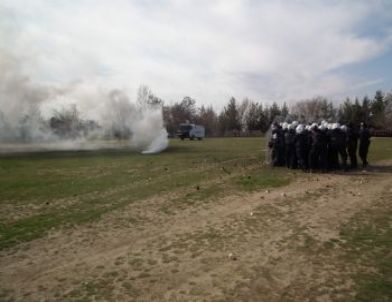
(262,178)
(59,189)
(380,149)
(45,190)
(368,244)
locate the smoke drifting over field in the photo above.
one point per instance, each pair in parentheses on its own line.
(74,116)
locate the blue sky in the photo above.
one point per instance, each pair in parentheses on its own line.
(210,50)
(377,70)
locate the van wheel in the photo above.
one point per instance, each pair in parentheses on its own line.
(199,138)
(192,138)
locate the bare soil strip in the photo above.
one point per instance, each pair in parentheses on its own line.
(264,246)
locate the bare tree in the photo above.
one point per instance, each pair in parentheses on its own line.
(179,113)
(243,114)
(314,109)
(207,117)
(65,122)
(145,97)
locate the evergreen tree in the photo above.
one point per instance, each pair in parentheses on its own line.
(274,112)
(232,116)
(356,116)
(263,122)
(222,123)
(285,110)
(253,116)
(388,111)
(345,111)
(365,108)
(228,120)
(377,109)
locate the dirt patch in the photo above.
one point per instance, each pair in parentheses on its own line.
(269,245)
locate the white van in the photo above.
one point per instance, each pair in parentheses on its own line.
(191,131)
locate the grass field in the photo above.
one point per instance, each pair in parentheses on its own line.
(51,189)
(47,192)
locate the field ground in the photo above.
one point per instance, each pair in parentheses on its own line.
(203,221)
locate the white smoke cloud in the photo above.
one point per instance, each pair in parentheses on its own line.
(27,111)
(78,112)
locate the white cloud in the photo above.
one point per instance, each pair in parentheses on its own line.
(210,50)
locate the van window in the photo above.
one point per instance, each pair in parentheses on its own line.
(185,128)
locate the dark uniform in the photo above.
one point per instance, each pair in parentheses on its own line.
(277,146)
(352,144)
(342,147)
(307,148)
(364,142)
(315,146)
(324,143)
(290,153)
(332,151)
(338,148)
(301,147)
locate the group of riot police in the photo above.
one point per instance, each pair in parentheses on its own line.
(318,146)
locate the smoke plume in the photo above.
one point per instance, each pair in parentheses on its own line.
(75,116)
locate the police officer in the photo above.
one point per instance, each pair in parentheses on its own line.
(285,132)
(364,142)
(277,145)
(301,146)
(342,145)
(308,136)
(338,147)
(352,144)
(314,152)
(332,157)
(324,142)
(290,153)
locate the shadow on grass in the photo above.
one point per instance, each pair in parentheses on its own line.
(110,152)
(376,168)
(68,153)
(380,168)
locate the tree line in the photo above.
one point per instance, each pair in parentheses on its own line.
(248,116)
(245,117)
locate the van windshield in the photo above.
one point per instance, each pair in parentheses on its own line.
(185,128)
